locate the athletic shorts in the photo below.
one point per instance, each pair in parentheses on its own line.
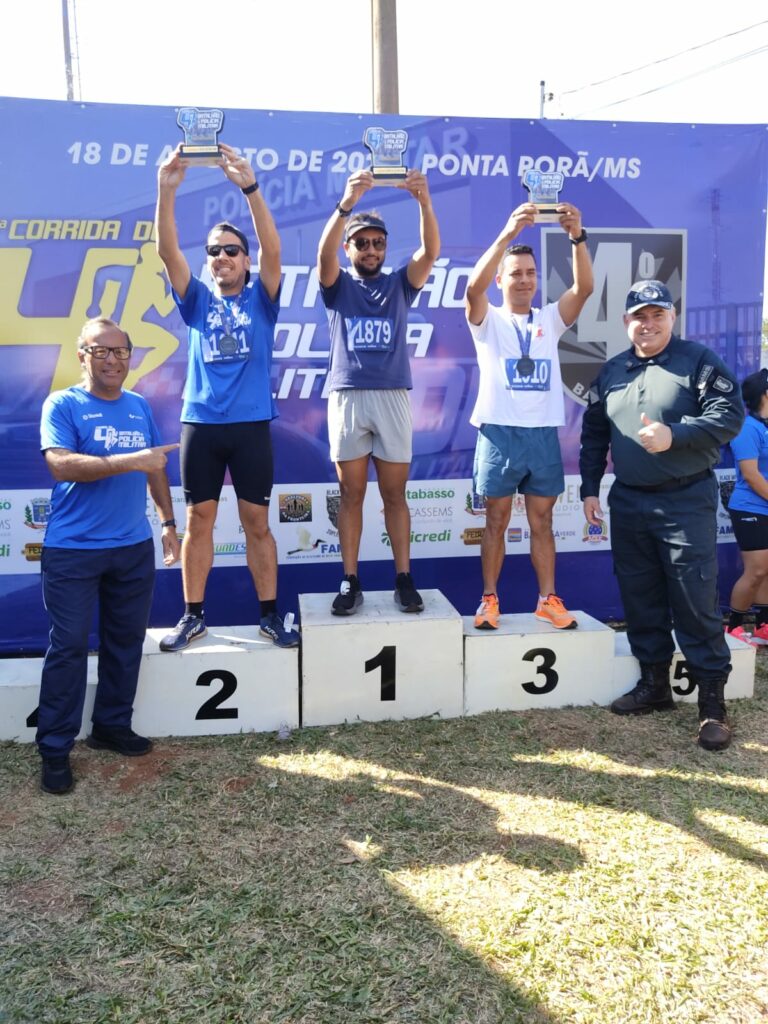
(523,459)
(750,530)
(365,421)
(208,450)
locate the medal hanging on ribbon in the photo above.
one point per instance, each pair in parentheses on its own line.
(525,365)
(228,345)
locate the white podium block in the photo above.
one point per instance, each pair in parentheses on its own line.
(380,663)
(20,693)
(526,663)
(741,682)
(233,680)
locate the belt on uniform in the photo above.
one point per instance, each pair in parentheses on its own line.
(670,485)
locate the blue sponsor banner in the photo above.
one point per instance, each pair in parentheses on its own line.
(677,202)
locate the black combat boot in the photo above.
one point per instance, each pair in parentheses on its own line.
(651,692)
(714,728)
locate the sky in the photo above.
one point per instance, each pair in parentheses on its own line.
(482,58)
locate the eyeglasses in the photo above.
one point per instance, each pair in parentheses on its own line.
(102,351)
(361,244)
(230,250)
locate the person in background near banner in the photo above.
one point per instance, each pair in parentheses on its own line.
(228,403)
(520,402)
(369,412)
(748,509)
(664,407)
(101,445)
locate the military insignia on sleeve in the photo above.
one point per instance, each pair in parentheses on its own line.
(704,375)
(723,385)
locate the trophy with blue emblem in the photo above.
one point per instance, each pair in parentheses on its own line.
(544,188)
(201,128)
(387,149)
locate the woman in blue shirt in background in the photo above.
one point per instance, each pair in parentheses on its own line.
(748,509)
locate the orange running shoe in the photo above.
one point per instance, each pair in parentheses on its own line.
(553,611)
(488,613)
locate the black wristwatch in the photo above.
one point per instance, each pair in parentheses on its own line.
(168,522)
(341,211)
(581,238)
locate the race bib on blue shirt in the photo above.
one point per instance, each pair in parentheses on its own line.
(369,333)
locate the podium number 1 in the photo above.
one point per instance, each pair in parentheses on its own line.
(386,660)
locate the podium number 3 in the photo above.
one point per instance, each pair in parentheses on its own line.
(545,669)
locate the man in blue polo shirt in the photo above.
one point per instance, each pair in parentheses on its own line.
(369,413)
(102,448)
(228,402)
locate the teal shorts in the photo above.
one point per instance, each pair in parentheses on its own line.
(523,459)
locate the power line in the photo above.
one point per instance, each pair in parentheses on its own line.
(663,60)
(676,81)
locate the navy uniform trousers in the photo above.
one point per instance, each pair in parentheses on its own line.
(664,546)
(121,580)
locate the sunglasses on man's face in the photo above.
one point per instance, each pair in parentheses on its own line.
(230,250)
(361,244)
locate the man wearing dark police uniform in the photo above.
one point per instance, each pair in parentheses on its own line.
(664,407)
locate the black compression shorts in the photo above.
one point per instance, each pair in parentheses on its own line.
(208,450)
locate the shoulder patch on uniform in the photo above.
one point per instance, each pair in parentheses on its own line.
(723,385)
(704,374)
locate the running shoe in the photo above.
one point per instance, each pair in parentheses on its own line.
(407,597)
(188,628)
(349,597)
(760,635)
(552,610)
(280,631)
(488,613)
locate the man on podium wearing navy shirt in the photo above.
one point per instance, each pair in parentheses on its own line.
(369,412)
(102,448)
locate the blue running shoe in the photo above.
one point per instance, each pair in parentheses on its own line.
(188,628)
(282,634)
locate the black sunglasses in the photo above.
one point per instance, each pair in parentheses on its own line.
(361,244)
(230,250)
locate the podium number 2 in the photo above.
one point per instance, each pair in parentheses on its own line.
(212,707)
(545,669)
(386,660)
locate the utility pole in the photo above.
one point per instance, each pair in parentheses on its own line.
(67,50)
(384,56)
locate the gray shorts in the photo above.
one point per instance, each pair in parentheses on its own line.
(365,421)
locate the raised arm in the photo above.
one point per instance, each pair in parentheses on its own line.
(170,175)
(333,233)
(572,302)
(239,171)
(420,266)
(486,268)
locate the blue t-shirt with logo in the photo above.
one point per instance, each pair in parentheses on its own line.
(367,322)
(230,354)
(108,513)
(750,443)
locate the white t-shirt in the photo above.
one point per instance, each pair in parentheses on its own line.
(504,395)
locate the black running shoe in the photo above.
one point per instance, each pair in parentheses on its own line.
(407,597)
(349,597)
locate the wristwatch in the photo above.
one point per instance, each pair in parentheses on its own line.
(581,238)
(168,522)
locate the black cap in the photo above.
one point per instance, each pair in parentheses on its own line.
(360,222)
(648,293)
(753,388)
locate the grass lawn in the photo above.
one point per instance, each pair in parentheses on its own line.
(550,866)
